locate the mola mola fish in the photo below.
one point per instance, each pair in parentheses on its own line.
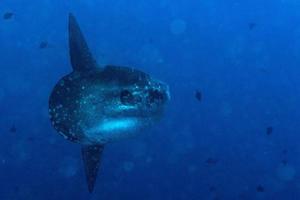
(95,105)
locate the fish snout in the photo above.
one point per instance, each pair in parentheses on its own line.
(158,95)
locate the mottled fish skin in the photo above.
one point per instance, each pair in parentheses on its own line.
(82,106)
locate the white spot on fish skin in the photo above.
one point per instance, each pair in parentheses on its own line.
(178,26)
(62,83)
(128,166)
(59,106)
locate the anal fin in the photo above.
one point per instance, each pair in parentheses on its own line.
(91,156)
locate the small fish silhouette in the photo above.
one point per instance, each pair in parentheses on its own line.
(8,15)
(260,188)
(212,161)
(212,188)
(284,162)
(44,45)
(31,139)
(198,95)
(13,129)
(269,130)
(284,151)
(252,25)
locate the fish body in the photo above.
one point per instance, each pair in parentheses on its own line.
(95,105)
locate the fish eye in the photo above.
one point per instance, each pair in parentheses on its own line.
(155,96)
(126,97)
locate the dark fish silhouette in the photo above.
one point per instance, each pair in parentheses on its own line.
(43,45)
(284,162)
(252,25)
(95,105)
(212,161)
(8,15)
(269,130)
(151,40)
(212,189)
(16,189)
(31,139)
(198,95)
(13,129)
(284,151)
(260,188)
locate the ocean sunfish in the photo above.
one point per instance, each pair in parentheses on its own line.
(96,105)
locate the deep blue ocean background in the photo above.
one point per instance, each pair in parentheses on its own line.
(244,57)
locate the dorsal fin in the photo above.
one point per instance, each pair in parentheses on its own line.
(81,57)
(91,156)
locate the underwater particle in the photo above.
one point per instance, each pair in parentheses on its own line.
(16,189)
(260,188)
(20,152)
(212,161)
(128,166)
(192,169)
(140,151)
(242,196)
(13,129)
(284,151)
(8,15)
(69,167)
(226,109)
(149,159)
(150,53)
(178,26)
(269,130)
(2,94)
(216,198)
(31,139)
(286,172)
(212,188)
(70,171)
(43,45)
(151,40)
(284,162)
(251,25)
(198,95)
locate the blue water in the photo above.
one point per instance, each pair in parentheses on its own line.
(214,149)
